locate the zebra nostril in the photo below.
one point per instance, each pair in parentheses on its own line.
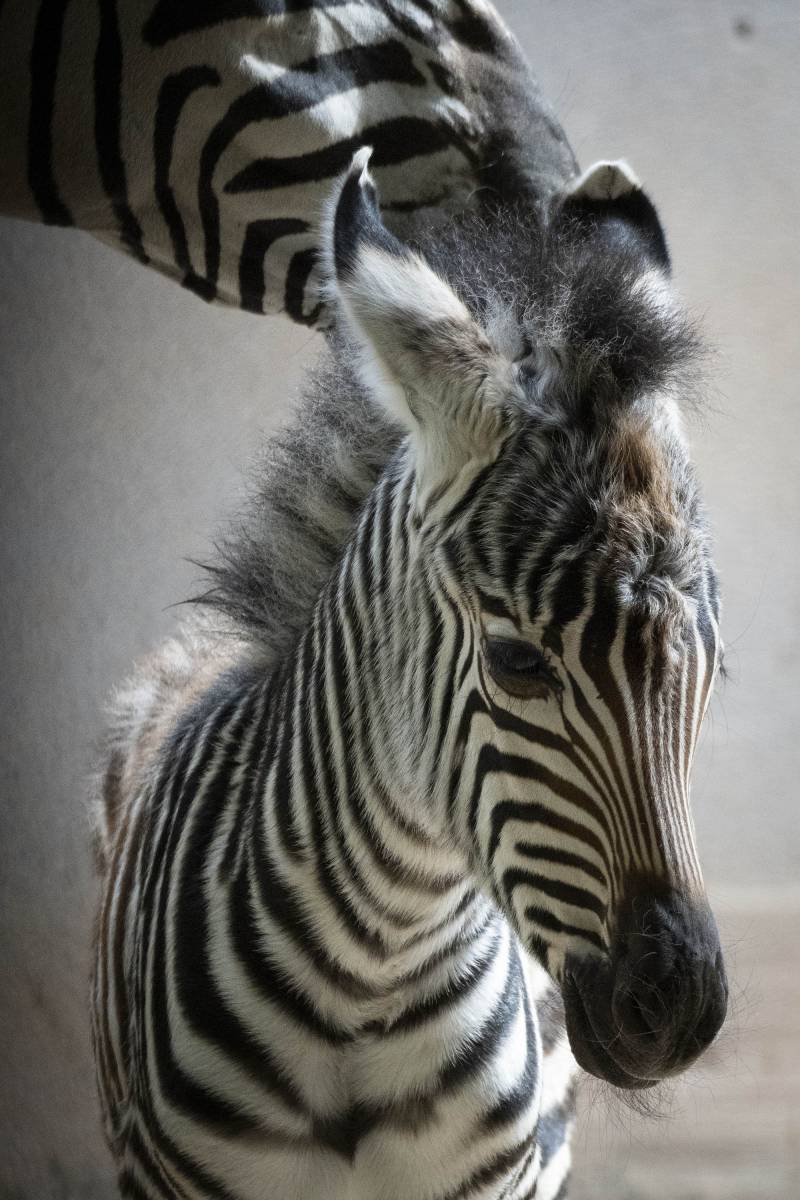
(639,1008)
(648,972)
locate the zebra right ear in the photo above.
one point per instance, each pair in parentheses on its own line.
(421,352)
(608,202)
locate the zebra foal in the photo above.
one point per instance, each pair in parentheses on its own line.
(430,781)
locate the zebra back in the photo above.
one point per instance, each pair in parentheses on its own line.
(204,140)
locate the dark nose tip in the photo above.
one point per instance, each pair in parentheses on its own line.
(670,992)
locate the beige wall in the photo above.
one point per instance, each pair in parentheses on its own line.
(128,408)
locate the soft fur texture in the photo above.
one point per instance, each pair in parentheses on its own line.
(308,485)
(145,707)
(590,332)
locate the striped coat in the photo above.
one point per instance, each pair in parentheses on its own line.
(411,829)
(203,138)
(354,1083)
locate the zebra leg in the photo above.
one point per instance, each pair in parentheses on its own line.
(559,1086)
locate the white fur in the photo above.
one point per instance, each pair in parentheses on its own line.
(605,180)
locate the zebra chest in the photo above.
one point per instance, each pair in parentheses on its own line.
(418,1109)
(430,1089)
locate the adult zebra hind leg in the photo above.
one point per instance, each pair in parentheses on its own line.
(559,1086)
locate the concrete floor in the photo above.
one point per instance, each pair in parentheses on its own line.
(127,411)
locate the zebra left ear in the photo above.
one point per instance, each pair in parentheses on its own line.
(422,353)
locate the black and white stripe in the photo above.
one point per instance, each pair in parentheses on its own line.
(348,878)
(203,139)
(296,983)
(432,782)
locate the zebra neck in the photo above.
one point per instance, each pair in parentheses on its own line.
(349,862)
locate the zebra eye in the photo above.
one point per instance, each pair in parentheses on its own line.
(519,668)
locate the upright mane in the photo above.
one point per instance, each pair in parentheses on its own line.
(307,487)
(586,312)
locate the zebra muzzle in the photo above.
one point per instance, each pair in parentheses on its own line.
(657,1002)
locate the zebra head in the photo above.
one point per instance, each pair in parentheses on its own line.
(570,611)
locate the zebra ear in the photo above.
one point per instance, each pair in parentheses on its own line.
(607,200)
(422,354)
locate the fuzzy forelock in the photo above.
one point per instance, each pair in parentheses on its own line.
(606,318)
(600,327)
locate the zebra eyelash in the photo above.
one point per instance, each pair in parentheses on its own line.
(519,667)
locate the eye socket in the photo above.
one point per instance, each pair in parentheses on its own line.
(519,668)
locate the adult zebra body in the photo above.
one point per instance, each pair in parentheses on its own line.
(446,761)
(203,138)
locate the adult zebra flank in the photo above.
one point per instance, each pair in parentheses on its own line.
(203,138)
(401,831)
